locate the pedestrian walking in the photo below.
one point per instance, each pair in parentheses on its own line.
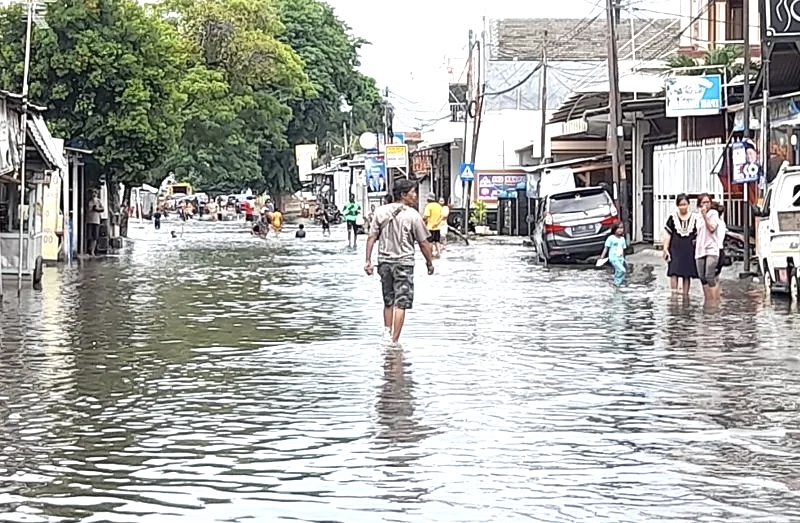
(396,227)
(94,211)
(352,210)
(680,233)
(445,228)
(433,221)
(706,250)
(615,251)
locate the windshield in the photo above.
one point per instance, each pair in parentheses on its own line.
(577,202)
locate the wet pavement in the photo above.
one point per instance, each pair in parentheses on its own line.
(219,377)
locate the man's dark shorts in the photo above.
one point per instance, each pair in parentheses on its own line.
(351,226)
(435,236)
(397,284)
(92,232)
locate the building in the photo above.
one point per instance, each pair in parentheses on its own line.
(510,137)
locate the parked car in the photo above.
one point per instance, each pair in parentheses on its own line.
(574,225)
(778,237)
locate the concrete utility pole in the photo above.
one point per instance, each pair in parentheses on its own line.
(543,101)
(746,131)
(467,102)
(616,137)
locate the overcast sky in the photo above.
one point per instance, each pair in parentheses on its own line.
(410,43)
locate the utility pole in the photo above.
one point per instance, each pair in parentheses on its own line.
(616,137)
(746,131)
(467,102)
(543,101)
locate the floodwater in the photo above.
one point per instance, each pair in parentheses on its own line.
(218,377)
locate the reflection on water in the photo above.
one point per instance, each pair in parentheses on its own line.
(218,377)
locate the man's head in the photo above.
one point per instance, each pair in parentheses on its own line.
(301,226)
(352,198)
(431,197)
(404,191)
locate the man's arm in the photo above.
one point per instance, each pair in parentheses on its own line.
(421,233)
(374,234)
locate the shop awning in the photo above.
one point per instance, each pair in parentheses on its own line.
(43,140)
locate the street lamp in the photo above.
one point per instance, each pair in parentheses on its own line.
(346,108)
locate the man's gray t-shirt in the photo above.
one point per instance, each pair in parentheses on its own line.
(397,228)
(93,215)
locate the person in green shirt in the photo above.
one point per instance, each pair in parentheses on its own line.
(351,212)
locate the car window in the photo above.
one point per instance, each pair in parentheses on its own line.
(578,202)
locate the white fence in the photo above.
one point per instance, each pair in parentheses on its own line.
(686,169)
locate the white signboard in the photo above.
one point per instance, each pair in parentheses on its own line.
(396,155)
(694,95)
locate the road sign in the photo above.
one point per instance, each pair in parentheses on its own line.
(396,155)
(467,172)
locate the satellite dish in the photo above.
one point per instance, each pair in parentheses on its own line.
(368,141)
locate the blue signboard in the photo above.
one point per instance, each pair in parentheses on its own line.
(693,95)
(375,171)
(467,172)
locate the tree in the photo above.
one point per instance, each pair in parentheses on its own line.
(237,93)
(108,73)
(330,57)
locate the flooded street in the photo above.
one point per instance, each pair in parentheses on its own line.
(219,377)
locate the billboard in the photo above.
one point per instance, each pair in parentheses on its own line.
(694,95)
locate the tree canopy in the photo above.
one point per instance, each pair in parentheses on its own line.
(217,92)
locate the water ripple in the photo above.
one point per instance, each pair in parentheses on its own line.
(218,377)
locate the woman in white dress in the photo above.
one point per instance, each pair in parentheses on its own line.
(445,215)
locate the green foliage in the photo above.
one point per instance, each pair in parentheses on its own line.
(217,92)
(726,60)
(479,213)
(107,72)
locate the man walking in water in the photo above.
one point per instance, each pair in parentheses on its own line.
(397,227)
(351,212)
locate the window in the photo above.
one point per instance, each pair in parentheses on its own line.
(578,202)
(734,19)
(767,199)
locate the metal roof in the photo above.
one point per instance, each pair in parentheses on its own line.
(566,163)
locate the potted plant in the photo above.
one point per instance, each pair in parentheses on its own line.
(478,218)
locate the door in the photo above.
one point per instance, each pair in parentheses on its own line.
(648,229)
(764,229)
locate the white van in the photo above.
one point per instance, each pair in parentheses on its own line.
(778,242)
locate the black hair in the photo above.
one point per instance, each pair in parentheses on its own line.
(703,197)
(402,187)
(682,197)
(617,225)
(301,226)
(720,209)
(388,199)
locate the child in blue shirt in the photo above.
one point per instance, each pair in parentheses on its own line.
(615,251)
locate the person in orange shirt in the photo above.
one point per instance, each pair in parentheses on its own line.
(277,221)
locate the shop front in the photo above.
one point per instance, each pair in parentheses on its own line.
(28,207)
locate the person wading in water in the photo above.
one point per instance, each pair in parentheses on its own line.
(396,227)
(351,212)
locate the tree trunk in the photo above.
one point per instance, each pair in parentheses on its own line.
(124,214)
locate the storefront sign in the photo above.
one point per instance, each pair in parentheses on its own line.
(396,156)
(693,95)
(780,112)
(489,185)
(783,20)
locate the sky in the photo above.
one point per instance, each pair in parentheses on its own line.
(411,43)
